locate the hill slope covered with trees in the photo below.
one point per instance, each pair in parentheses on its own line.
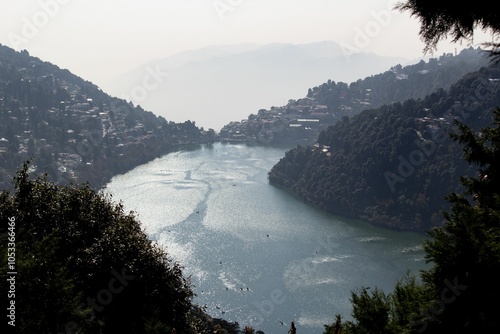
(394,165)
(72,129)
(458,293)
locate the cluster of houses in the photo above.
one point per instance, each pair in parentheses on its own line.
(298,121)
(79,130)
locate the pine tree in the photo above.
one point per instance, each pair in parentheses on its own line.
(441,19)
(465,252)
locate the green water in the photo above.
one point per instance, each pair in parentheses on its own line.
(255,254)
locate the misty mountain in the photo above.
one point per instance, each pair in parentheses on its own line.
(219,84)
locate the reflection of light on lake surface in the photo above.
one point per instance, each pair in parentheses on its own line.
(255,254)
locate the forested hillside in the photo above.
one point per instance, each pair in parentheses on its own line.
(78,263)
(73,130)
(394,165)
(400,83)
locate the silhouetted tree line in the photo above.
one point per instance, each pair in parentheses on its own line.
(84,265)
(459,293)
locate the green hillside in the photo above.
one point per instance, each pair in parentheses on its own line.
(394,165)
(72,129)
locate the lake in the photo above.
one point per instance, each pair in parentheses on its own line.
(255,254)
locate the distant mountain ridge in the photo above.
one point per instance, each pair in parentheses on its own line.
(231,82)
(73,130)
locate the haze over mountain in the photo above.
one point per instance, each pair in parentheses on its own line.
(218,84)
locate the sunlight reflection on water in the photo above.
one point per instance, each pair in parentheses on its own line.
(255,254)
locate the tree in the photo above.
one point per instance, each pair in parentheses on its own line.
(248,330)
(292,329)
(465,252)
(377,312)
(407,299)
(336,327)
(86,266)
(440,18)
(370,311)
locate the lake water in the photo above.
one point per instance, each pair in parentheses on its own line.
(255,254)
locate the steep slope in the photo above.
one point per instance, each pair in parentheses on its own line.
(72,129)
(392,166)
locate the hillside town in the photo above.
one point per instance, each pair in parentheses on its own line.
(298,122)
(72,131)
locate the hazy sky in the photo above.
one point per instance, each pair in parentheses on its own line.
(100,39)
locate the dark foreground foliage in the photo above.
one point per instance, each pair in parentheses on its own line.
(459,293)
(85,266)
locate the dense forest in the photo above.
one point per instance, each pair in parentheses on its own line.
(73,130)
(394,165)
(399,83)
(458,293)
